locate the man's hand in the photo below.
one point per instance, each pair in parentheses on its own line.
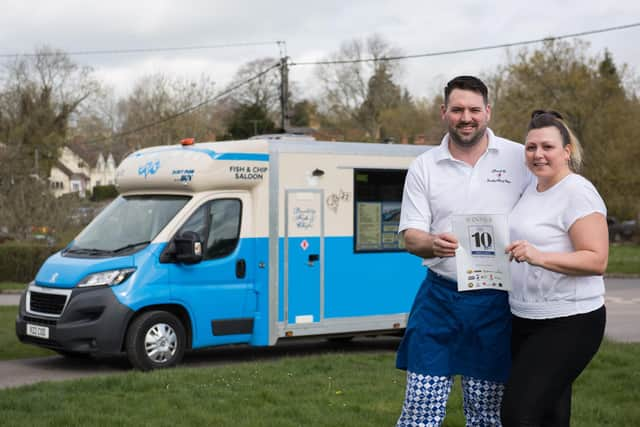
(427,245)
(444,245)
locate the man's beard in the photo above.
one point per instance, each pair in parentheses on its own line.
(467,141)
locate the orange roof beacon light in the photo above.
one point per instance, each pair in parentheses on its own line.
(187,141)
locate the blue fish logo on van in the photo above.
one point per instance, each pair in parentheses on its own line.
(149,168)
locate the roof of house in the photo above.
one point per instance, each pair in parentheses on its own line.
(89,151)
(68,172)
(65,170)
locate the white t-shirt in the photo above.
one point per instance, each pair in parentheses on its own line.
(439,186)
(544,219)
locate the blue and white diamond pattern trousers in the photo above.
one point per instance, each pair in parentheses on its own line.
(425,402)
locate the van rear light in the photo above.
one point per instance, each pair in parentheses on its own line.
(187,141)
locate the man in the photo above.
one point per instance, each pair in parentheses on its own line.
(449,332)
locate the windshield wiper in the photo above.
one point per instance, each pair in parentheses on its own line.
(87,251)
(130,246)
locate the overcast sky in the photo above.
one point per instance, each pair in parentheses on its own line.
(311,30)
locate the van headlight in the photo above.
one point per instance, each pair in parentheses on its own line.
(106,278)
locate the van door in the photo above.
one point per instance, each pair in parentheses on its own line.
(304,256)
(219,291)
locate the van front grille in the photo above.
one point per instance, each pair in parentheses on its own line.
(45,303)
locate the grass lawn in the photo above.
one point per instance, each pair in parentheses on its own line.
(338,389)
(624,259)
(12,286)
(10,347)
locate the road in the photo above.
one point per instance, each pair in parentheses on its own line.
(623,309)
(623,318)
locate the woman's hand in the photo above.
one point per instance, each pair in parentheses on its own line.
(523,251)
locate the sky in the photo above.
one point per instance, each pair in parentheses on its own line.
(311,31)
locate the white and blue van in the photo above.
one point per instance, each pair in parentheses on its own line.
(231,242)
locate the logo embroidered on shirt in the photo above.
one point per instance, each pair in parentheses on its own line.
(499,175)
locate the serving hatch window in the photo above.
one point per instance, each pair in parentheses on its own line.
(377,199)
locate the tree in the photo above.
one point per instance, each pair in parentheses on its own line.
(589,93)
(250,120)
(154,113)
(302,113)
(263,91)
(357,91)
(411,118)
(26,201)
(39,96)
(382,94)
(98,119)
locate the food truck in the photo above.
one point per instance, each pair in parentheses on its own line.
(216,243)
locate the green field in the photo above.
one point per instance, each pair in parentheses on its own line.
(624,259)
(11,286)
(335,389)
(10,347)
(329,388)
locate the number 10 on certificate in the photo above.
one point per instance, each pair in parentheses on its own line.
(480,259)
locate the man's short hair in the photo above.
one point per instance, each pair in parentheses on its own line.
(471,83)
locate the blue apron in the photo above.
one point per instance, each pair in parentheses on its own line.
(457,333)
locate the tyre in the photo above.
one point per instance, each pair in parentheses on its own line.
(155,339)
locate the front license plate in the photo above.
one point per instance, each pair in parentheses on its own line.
(38,331)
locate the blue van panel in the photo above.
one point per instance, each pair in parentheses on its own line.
(368,283)
(261,320)
(303,279)
(149,284)
(66,272)
(210,291)
(355,284)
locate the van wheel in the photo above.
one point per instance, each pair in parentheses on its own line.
(155,339)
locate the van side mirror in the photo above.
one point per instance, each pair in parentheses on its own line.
(188,247)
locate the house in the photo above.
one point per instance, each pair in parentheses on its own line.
(80,167)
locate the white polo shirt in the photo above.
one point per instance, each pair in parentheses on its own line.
(438,186)
(544,219)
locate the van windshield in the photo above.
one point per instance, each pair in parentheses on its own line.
(128,224)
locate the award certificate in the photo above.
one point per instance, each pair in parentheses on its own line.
(480,259)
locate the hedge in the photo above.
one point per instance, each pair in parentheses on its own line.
(104,192)
(19,262)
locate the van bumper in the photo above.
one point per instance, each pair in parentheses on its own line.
(92,321)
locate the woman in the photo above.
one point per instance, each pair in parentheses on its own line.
(559,251)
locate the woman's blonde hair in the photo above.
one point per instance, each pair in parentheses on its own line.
(550,118)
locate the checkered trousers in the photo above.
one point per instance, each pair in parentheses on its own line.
(425,402)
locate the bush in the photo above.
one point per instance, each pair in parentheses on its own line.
(19,262)
(104,192)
